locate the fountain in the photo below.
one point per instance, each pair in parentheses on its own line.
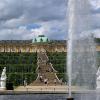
(3,80)
(81,64)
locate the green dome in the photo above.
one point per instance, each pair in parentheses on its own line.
(40,38)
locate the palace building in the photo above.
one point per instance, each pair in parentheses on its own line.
(40,43)
(21,57)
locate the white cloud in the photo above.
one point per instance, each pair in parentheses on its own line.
(52,29)
(15,33)
(97,33)
(95,4)
(19,13)
(50,14)
(40,31)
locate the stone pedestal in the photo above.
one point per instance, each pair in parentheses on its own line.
(3,84)
(2,89)
(98,84)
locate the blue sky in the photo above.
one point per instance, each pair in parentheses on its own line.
(25,19)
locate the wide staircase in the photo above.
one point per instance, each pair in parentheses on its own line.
(46,70)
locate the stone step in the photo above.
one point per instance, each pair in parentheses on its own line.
(45,69)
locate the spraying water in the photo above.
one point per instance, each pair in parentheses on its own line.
(81,62)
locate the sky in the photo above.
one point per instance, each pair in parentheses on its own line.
(26,19)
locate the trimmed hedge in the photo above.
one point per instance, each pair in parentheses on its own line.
(58,59)
(18,78)
(20,66)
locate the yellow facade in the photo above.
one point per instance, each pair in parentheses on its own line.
(37,47)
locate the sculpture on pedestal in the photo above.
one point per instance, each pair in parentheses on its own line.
(98,79)
(3,79)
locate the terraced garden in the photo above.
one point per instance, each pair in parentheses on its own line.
(20,66)
(58,59)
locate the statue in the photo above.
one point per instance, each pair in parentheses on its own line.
(98,79)
(3,79)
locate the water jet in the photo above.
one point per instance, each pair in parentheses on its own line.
(81,61)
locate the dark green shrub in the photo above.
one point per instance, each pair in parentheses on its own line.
(19,66)
(58,59)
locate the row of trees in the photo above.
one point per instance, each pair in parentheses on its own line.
(17,61)
(21,58)
(20,66)
(18,78)
(58,59)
